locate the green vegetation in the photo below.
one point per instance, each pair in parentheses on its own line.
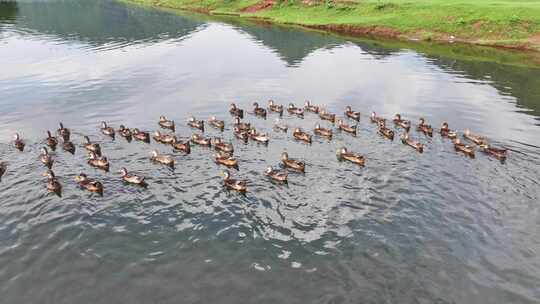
(506,23)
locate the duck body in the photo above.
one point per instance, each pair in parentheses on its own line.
(68,147)
(463,148)
(89,184)
(347,128)
(125,133)
(343,154)
(479,140)
(376,119)
(92,147)
(241,134)
(293,163)
(218,124)
(233,184)
(499,154)
(323,132)
(162,159)
(446,132)
(386,132)
(181,146)
(200,140)
(3,169)
(52,141)
(242,126)
(277,175)
(411,143)
(352,114)
(311,108)
(46,159)
(327,116)
(163,138)
(64,133)
(98,162)
(226,160)
(275,107)
(295,111)
(220,145)
(298,134)
(280,126)
(196,124)
(235,111)
(404,124)
(141,135)
(106,130)
(425,128)
(132,178)
(53,185)
(258,137)
(166,123)
(18,142)
(259,111)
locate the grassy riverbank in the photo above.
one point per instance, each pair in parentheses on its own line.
(504,23)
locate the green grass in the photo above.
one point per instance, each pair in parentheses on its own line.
(489,22)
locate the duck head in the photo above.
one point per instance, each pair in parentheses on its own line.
(445,125)
(268,170)
(348,109)
(16,137)
(226,175)
(397,116)
(154,153)
(270,102)
(284,156)
(256,105)
(81,178)
(44,151)
(467,132)
(422,121)
(124,172)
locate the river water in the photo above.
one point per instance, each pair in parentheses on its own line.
(436,227)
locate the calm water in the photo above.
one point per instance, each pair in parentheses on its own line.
(407,228)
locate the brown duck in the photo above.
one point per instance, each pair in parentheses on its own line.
(293,110)
(53,185)
(384,131)
(352,114)
(242,126)
(125,133)
(89,184)
(323,132)
(235,111)
(69,147)
(411,143)
(163,138)
(218,124)
(327,116)
(45,158)
(92,147)
(405,124)
(310,107)
(181,146)
(275,107)
(241,134)
(226,160)
(259,111)
(425,128)
(220,145)
(162,159)
(258,137)
(233,184)
(479,140)
(64,133)
(52,141)
(132,178)
(446,132)
(499,154)
(343,154)
(200,140)
(347,128)
(196,124)
(166,123)
(277,175)
(141,135)
(18,142)
(375,119)
(293,163)
(98,162)
(465,149)
(106,130)
(298,134)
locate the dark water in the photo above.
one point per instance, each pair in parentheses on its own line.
(407,228)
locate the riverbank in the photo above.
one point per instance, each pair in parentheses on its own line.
(500,23)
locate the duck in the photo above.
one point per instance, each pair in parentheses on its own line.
(425,128)
(18,142)
(411,143)
(258,137)
(280,125)
(68,146)
(106,130)
(294,164)
(3,169)
(220,145)
(465,149)
(65,133)
(259,111)
(163,138)
(384,131)
(52,141)
(226,160)
(293,110)
(324,115)
(218,124)
(275,107)
(479,140)
(298,134)
(141,135)
(375,119)
(197,124)
(53,185)
(277,175)
(45,158)
(132,178)
(241,134)
(446,132)
(311,108)
(166,123)
(89,184)
(405,124)
(352,114)
(162,158)
(347,128)
(98,162)
(92,147)
(343,154)
(233,184)
(498,153)
(125,133)
(243,126)
(323,132)
(181,146)
(200,140)
(235,111)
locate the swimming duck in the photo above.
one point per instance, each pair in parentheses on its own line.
(64,132)
(163,138)
(343,154)
(466,149)
(311,108)
(141,135)
(166,123)
(92,147)
(200,140)
(132,178)
(45,158)
(125,132)
(405,124)
(384,131)
(218,124)
(68,147)
(106,130)
(229,183)
(235,111)
(89,184)
(18,142)
(197,124)
(411,143)
(258,111)
(258,137)
(3,169)
(347,128)
(499,154)
(220,145)
(425,128)
(327,133)
(301,135)
(275,107)
(242,126)
(98,162)
(53,185)
(241,134)
(479,140)
(280,125)
(181,146)
(375,119)
(277,175)
(327,116)
(352,114)
(295,111)
(292,163)
(162,158)
(446,132)
(226,160)
(52,141)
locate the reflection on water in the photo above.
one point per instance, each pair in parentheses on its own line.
(407,228)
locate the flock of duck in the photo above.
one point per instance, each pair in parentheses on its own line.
(243,131)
